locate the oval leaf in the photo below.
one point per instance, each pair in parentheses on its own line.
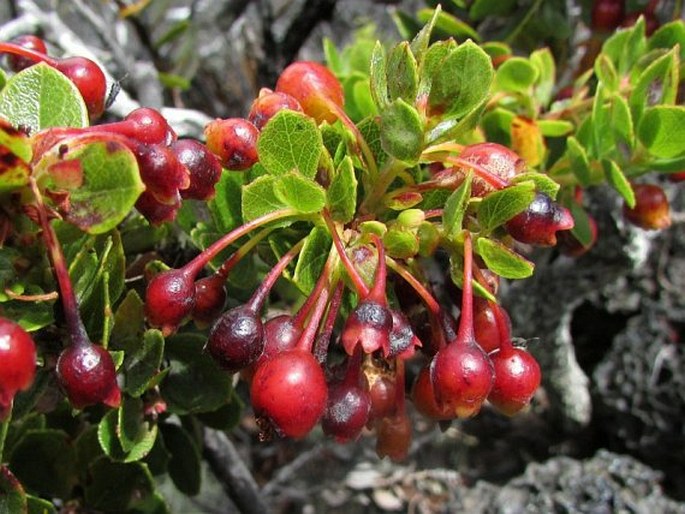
(500,206)
(661,130)
(503,261)
(402,131)
(300,193)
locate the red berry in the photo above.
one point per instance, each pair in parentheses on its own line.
(368,325)
(18,62)
(210,297)
(393,437)
(90,81)
(677,177)
(280,334)
(347,411)
(607,14)
(162,173)
(485,325)
(236,339)
(204,168)
(234,142)
(17,362)
(652,210)
(169,299)
(540,222)
(145,125)
(268,103)
(315,87)
(382,392)
(498,160)
(517,377)
(156,212)
(87,375)
(289,393)
(569,244)
(462,376)
(424,400)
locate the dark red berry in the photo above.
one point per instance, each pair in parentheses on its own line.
(496,159)
(394,437)
(162,173)
(607,14)
(210,297)
(204,168)
(155,211)
(347,411)
(403,341)
(677,177)
(268,103)
(382,392)
(87,375)
(517,377)
(170,299)
(652,210)
(540,222)
(315,87)
(18,62)
(289,393)
(424,400)
(234,142)
(236,339)
(90,81)
(368,325)
(570,245)
(485,325)
(462,376)
(17,362)
(280,334)
(145,125)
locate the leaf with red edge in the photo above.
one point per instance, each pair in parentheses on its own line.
(12,495)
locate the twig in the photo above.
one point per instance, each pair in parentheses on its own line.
(229,468)
(286,472)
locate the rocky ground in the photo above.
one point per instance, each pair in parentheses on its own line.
(607,430)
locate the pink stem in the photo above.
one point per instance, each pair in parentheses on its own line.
(11,48)
(425,295)
(465,331)
(377,293)
(306,341)
(241,252)
(502,327)
(359,284)
(321,283)
(324,339)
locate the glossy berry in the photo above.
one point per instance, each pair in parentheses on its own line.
(462,376)
(17,62)
(87,375)
(606,15)
(485,325)
(677,177)
(170,299)
(156,212)
(162,173)
(394,437)
(267,104)
(517,377)
(234,142)
(539,223)
(382,393)
(280,334)
(236,339)
(289,393)
(315,87)
(89,79)
(570,245)
(145,125)
(652,210)
(347,411)
(17,362)
(210,297)
(497,159)
(204,168)
(424,400)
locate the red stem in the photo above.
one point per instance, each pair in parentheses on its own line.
(241,252)
(11,48)
(359,284)
(353,370)
(306,341)
(480,171)
(465,332)
(256,302)
(302,314)
(324,339)
(399,388)
(77,330)
(505,342)
(425,295)
(377,293)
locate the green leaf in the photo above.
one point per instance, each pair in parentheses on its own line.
(341,195)
(225,206)
(432,62)
(12,495)
(300,193)
(290,141)
(661,130)
(184,465)
(462,81)
(370,129)
(618,181)
(668,36)
(400,244)
(626,46)
(44,461)
(377,77)
(123,435)
(118,487)
(543,60)
(543,183)
(101,177)
(555,128)
(455,208)
(500,206)
(37,506)
(516,74)
(40,97)
(581,224)
(580,165)
(402,131)
(419,45)
(195,382)
(606,73)
(657,84)
(226,417)
(333,61)
(448,24)
(502,260)
(480,9)
(129,321)
(259,198)
(622,124)
(15,154)
(312,259)
(143,364)
(402,71)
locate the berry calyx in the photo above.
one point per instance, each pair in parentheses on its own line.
(203,167)
(234,142)
(289,393)
(86,373)
(651,211)
(17,362)
(540,222)
(18,62)
(316,89)
(268,103)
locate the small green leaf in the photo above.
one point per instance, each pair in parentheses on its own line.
(36,505)
(370,129)
(657,84)
(500,206)
(300,193)
(400,244)
(448,24)
(259,198)
(184,465)
(312,259)
(606,73)
(626,46)
(601,124)
(502,260)
(543,60)
(516,75)
(333,61)
(618,181)
(102,180)
(341,196)
(455,208)
(225,206)
(543,184)
(290,141)
(118,487)
(580,165)
(668,36)
(129,321)
(555,128)
(403,77)
(622,124)
(480,9)
(143,364)
(402,131)
(581,224)
(419,45)
(12,495)
(432,62)
(377,77)
(136,436)
(661,130)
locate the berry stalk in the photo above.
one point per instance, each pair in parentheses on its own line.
(465,331)
(359,284)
